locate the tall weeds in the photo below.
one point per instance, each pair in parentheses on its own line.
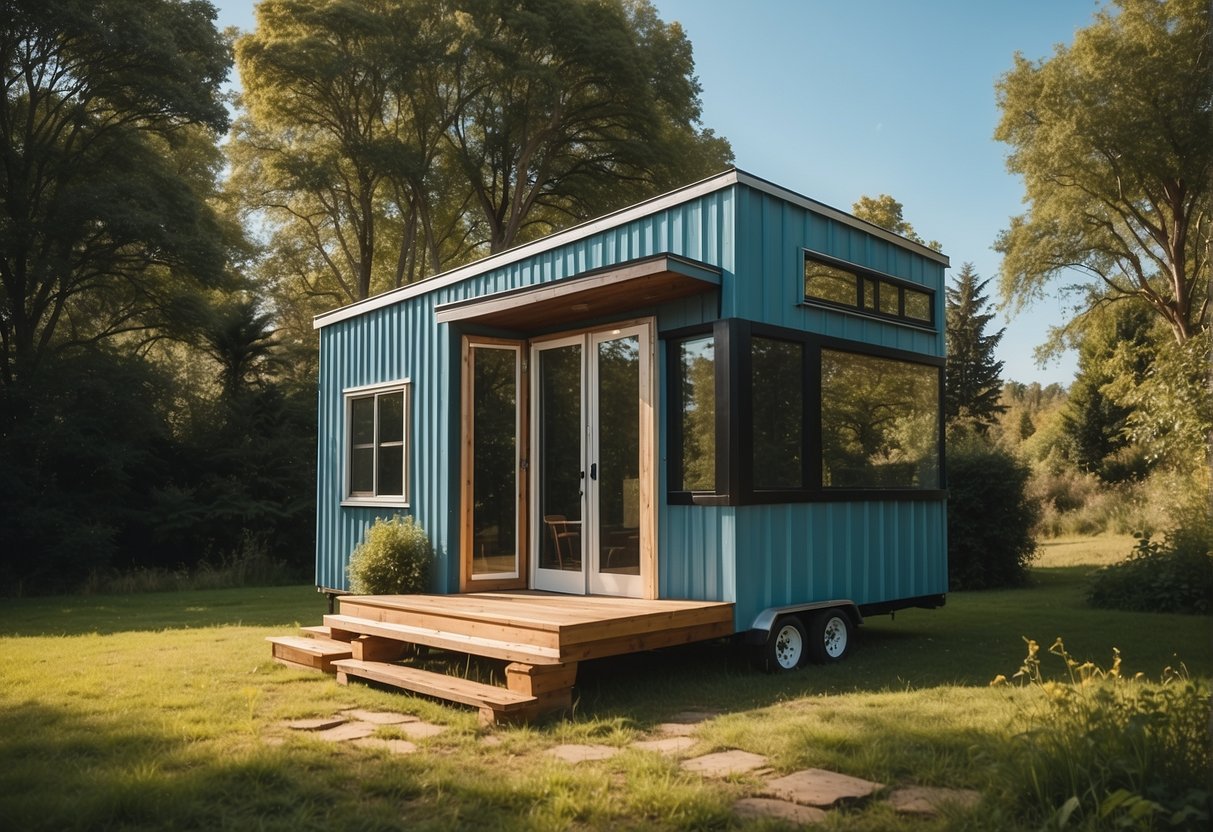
(1101,751)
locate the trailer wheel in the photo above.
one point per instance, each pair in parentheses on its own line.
(784,649)
(829,636)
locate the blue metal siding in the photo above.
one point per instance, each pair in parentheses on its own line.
(866,552)
(769,282)
(403,341)
(758,556)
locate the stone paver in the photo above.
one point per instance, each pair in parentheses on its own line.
(818,787)
(391,746)
(724,763)
(346,732)
(574,753)
(928,801)
(759,808)
(665,745)
(420,730)
(379,717)
(319,724)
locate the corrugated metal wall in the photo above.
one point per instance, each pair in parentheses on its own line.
(864,551)
(867,551)
(403,341)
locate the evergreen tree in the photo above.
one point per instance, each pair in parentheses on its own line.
(973,377)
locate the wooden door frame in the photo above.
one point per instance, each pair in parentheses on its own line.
(467,473)
(649,450)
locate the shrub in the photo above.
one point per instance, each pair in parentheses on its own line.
(990,516)
(1104,752)
(394,559)
(1172,575)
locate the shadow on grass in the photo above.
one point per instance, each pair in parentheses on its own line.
(71,615)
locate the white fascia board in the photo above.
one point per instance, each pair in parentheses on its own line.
(733,176)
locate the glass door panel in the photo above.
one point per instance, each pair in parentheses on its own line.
(495,466)
(559,428)
(615,456)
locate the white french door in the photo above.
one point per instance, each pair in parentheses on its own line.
(592,462)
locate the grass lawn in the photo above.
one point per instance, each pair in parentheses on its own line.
(164,711)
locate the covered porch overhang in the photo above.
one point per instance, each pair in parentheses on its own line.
(602,293)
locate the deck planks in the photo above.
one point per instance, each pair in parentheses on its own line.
(544,635)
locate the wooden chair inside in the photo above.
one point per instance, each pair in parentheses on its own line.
(566,538)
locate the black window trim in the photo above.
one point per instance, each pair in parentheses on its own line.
(862,273)
(734,447)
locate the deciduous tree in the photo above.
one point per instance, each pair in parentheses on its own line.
(107,130)
(1112,138)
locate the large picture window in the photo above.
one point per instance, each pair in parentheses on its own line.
(879,422)
(376,444)
(765,414)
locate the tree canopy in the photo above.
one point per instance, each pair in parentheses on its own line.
(888,213)
(1112,138)
(108,125)
(389,140)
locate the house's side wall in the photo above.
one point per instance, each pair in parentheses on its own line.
(867,551)
(403,341)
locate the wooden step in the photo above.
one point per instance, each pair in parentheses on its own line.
(309,653)
(318,631)
(476,645)
(495,703)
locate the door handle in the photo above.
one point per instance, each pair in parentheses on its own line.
(594,470)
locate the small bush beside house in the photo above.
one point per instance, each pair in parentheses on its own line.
(394,559)
(990,516)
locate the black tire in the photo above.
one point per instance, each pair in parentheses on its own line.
(784,649)
(830,636)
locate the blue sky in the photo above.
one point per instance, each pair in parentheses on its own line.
(841,99)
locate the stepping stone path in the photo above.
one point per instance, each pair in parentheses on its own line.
(357,726)
(757,808)
(800,798)
(724,763)
(821,788)
(573,753)
(928,801)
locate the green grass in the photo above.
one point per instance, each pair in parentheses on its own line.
(164,711)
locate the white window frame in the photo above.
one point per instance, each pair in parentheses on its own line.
(404,387)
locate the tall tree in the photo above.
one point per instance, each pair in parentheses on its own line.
(973,376)
(1093,420)
(107,130)
(1112,138)
(387,140)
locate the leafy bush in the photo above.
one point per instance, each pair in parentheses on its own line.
(394,559)
(1104,752)
(990,516)
(1172,575)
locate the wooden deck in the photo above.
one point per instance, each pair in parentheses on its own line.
(543,635)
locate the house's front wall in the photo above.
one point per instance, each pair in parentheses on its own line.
(402,341)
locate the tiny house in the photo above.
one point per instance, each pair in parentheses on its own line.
(729,393)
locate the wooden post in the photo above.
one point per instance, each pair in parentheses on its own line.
(377,649)
(550,684)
